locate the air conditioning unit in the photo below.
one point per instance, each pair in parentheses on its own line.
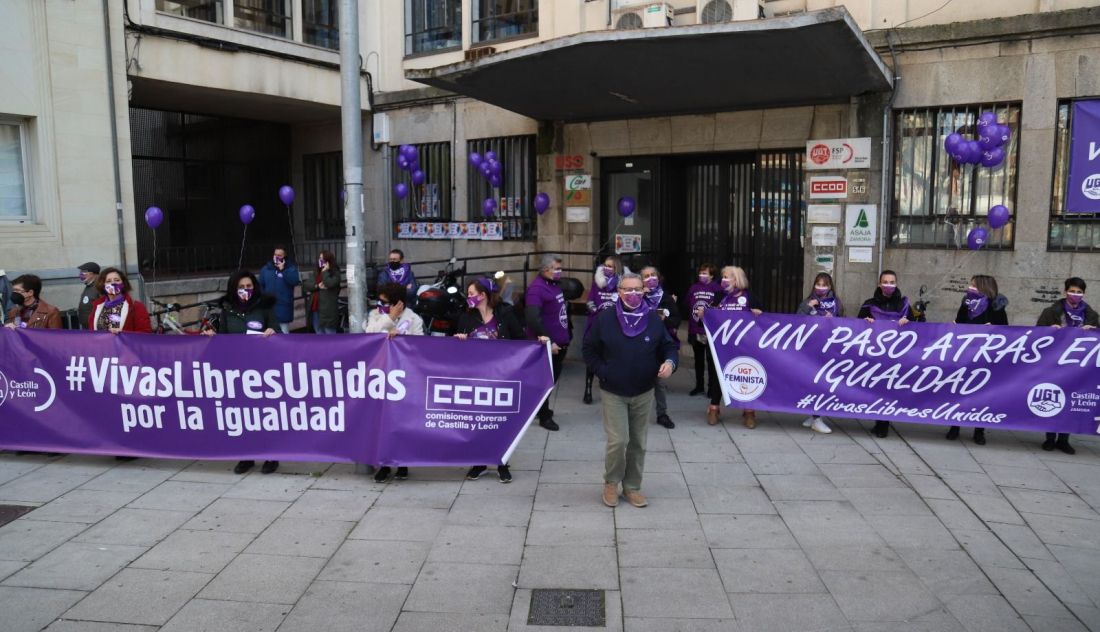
(639,16)
(717,11)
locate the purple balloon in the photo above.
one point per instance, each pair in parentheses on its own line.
(989,138)
(286,194)
(999,216)
(951,143)
(410,152)
(977,238)
(401,190)
(626,205)
(985,119)
(485,169)
(542,202)
(154,216)
(993,157)
(475,158)
(490,155)
(495,180)
(1005,134)
(247,214)
(402,161)
(973,152)
(418,177)
(489,206)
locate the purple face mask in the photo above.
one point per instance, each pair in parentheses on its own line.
(556,275)
(727,285)
(277,259)
(888,290)
(473,301)
(821,292)
(632,301)
(113,288)
(652,283)
(244,293)
(383,308)
(704,278)
(1074,299)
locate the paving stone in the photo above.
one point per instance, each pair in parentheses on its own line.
(219,472)
(135,477)
(947,573)
(1065,531)
(913,531)
(1051,624)
(413,493)
(854,558)
(9,568)
(264,579)
(505,511)
(656,462)
(227,616)
(767,571)
(1081,564)
(826,451)
(1050,503)
(938,621)
(1059,581)
(139,596)
(237,515)
(463,588)
(954,514)
(343,477)
(1022,541)
(582,528)
(664,548)
(747,532)
(31,609)
(13,466)
(650,624)
(180,495)
(574,450)
(565,497)
(26,540)
(719,474)
(413,524)
(1026,593)
(664,513)
(472,544)
(1034,478)
(281,487)
(799,487)
(76,566)
(576,567)
(788,612)
(137,527)
(731,500)
(376,561)
(827,523)
(83,505)
(860,476)
(973,483)
(330,504)
(879,595)
(490,485)
(521,606)
(929,487)
(707,452)
(886,501)
(766,438)
(986,613)
(420,621)
(46,483)
(986,548)
(194,551)
(301,536)
(63,625)
(773,463)
(346,607)
(687,593)
(992,508)
(571,472)
(665,485)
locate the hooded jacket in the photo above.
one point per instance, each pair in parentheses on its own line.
(280,285)
(254,318)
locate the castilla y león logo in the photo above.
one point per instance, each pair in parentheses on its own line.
(3,388)
(1046,399)
(745,378)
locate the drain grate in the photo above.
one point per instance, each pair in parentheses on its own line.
(11,512)
(584,608)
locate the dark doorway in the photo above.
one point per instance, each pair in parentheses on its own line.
(743,209)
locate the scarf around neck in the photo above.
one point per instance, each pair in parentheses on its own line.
(975,305)
(632,323)
(1075,316)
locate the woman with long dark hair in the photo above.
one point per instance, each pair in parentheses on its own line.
(982,305)
(325,304)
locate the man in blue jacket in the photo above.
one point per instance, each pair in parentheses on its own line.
(278,278)
(629,349)
(397,271)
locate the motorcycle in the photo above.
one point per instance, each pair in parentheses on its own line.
(441,302)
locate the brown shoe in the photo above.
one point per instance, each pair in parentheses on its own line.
(611,494)
(750,419)
(635,497)
(712,415)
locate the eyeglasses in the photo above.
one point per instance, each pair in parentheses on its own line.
(632,291)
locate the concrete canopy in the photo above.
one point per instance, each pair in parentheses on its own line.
(802,59)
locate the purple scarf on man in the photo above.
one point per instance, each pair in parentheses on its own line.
(1075,316)
(632,323)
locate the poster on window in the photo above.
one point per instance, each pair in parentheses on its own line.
(1083,188)
(628,243)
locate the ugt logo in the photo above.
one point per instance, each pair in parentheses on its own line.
(470,395)
(1046,399)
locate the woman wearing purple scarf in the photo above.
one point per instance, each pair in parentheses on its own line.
(888,303)
(1069,311)
(664,305)
(704,293)
(822,301)
(602,295)
(982,305)
(735,297)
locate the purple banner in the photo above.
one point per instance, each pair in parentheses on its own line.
(416,401)
(1083,188)
(1019,378)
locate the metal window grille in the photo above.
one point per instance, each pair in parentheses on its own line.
(936,201)
(263,16)
(432,25)
(503,19)
(1069,232)
(322,181)
(517,190)
(207,10)
(320,23)
(430,201)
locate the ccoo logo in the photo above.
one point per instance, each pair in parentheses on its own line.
(471,395)
(745,378)
(1090,187)
(1046,399)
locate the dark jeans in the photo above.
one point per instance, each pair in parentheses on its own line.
(702,360)
(556,360)
(714,389)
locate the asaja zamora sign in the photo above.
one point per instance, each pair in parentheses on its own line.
(838,153)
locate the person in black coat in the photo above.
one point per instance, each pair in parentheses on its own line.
(664,304)
(246,311)
(1068,311)
(982,305)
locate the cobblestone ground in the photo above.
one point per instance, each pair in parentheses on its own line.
(775,528)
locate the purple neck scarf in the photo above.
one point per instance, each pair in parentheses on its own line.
(828,305)
(632,323)
(114,302)
(883,314)
(655,297)
(976,304)
(399,274)
(1075,316)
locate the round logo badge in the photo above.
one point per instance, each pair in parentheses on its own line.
(745,378)
(1046,399)
(255,325)
(85,300)
(3,388)
(1090,187)
(819,153)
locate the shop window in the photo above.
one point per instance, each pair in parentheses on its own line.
(517,189)
(936,201)
(1069,231)
(504,19)
(14,201)
(430,201)
(432,25)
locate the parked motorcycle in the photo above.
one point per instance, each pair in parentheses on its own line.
(441,302)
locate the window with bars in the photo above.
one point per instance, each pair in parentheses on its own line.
(263,16)
(323,183)
(430,201)
(517,189)
(937,201)
(320,23)
(206,10)
(14,201)
(1069,232)
(432,25)
(504,19)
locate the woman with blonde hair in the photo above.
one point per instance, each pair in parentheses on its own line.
(735,297)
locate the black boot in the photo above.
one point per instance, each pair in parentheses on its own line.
(588,388)
(881,429)
(243,466)
(953,433)
(269,467)
(1048,445)
(1063,444)
(979,436)
(698,390)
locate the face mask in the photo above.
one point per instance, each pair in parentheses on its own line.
(320,263)
(395,265)
(727,285)
(18,298)
(556,275)
(632,301)
(888,290)
(608,271)
(278,259)
(652,283)
(704,278)
(113,289)
(1074,299)
(821,292)
(83,276)
(244,293)
(383,308)
(473,301)
(972,292)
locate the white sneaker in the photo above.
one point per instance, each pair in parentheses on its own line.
(809,422)
(819,425)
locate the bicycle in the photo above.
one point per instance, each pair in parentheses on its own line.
(168,319)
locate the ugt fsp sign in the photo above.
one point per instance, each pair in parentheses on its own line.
(838,153)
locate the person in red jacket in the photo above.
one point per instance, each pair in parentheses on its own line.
(116,311)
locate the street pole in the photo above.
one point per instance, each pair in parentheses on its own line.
(351,124)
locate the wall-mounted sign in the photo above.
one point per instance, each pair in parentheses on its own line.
(861,224)
(824,236)
(578,214)
(823,213)
(828,187)
(569,162)
(838,153)
(860,254)
(628,243)
(578,190)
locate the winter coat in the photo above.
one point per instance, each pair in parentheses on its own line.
(1056,315)
(135,318)
(254,318)
(280,285)
(45,316)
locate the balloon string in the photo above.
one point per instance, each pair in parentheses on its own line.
(154,259)
(290,223)
(244,236)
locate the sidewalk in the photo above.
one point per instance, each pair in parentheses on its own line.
(776,528)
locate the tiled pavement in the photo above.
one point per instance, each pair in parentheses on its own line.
(770,529)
